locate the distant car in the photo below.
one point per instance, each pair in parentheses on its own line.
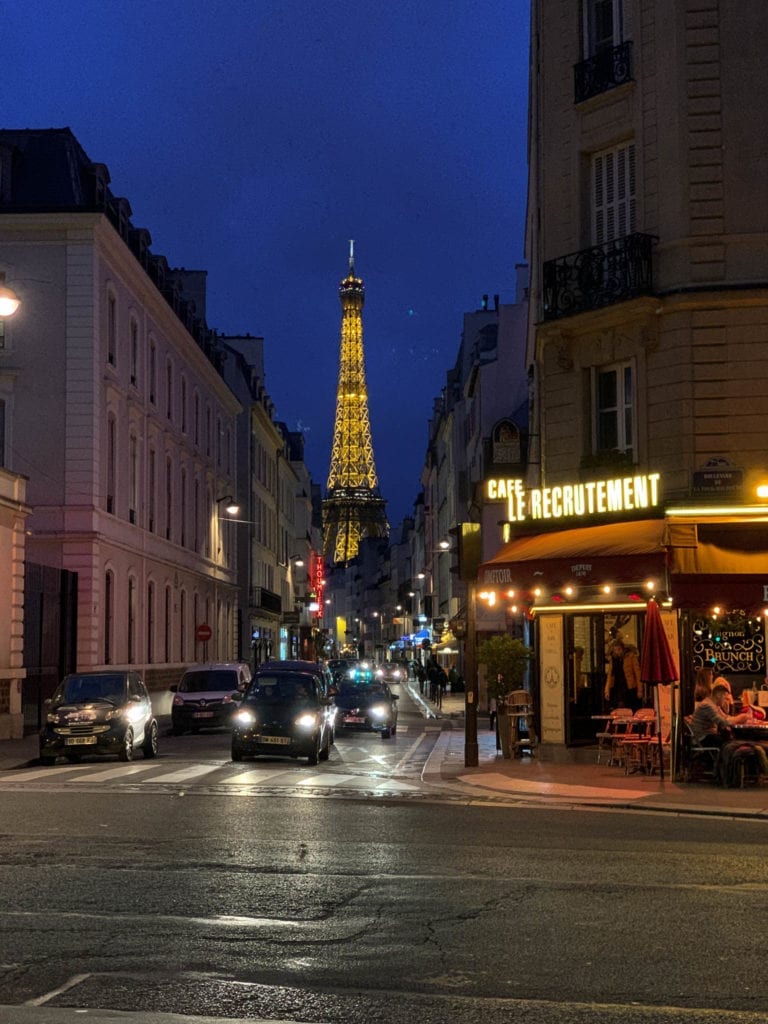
(107,712)
(391,672)
(368,706)
(283,713)
(341,668)
(203,697)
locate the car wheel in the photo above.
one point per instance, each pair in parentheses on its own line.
(48,762)
(314,757)
(126,751)
(332,740)
(149,748)
(386,733)
(73,758)
(326,751)
(237,751)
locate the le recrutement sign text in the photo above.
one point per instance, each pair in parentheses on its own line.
(573,501)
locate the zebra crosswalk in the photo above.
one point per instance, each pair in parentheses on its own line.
(154,776)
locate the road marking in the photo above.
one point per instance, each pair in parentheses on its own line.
(327,780)
(410,752)
(254,777)
(115,773)
(497,781)
(190,772)
(48,773)
(76,979)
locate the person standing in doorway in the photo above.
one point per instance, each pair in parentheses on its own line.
(623,687)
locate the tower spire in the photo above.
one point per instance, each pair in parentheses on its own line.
(353,508)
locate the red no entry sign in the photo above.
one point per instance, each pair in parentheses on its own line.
(203,633)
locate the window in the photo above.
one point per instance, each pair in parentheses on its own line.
(133,477)
(183,508)
(131,620)
(134,352)
(152,372)
(111,329)
(183,626)
(183,401)
(197,418)
(167,626)
(613,193)
(151,486)
(150,622)
(196,518)
(168,499)
(613,428)
(111,462)
(109,587)
(602,26)
(169,390)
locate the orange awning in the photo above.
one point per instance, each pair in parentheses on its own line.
(618,552)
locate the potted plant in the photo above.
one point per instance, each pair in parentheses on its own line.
(506,660)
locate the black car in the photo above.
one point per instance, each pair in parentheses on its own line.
(284,713)
(368,706)
(98,713)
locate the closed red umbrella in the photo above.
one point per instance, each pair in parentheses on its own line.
(657,664)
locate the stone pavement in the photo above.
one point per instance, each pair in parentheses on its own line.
(548,778)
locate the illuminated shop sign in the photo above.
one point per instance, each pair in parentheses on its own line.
(572,501)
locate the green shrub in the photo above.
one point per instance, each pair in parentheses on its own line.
(507,658)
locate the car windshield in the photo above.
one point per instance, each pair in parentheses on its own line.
(283,687)
(78,689)
(207,680)
(361,691)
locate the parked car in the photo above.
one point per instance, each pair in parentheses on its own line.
(203,697)
(368,706)
(106,712)
(284,713)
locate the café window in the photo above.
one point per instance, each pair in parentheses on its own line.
(613,426)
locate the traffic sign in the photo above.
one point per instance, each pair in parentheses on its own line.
(203,633)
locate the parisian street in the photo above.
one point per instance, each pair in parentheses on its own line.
(195,887)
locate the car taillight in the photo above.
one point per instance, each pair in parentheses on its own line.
(178,701)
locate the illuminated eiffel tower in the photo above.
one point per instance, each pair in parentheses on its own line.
(353,507)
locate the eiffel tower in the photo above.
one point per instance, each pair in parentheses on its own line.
(353,507)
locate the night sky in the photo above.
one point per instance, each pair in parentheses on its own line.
(255,138)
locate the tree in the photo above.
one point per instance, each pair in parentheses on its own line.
(506,660)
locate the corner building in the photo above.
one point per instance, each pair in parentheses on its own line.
(647,238)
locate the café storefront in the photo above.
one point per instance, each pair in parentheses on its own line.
(580,564)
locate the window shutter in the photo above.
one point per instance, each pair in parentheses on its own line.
(613,176)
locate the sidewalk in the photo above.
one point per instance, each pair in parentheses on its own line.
(576,782)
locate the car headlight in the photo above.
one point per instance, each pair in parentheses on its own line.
(378,711)
(53,717)
(306,721)
(245,718)
(114,713)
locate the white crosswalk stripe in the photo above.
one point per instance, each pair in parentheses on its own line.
(185,774)
(114,773)
(254,777)
(328,780)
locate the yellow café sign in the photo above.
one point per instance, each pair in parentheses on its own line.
(572,501)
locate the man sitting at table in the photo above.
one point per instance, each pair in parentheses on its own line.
(710,724)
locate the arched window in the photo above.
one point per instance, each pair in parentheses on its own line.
(167,626)
(131,620)
(111,461)
(183,626)
(109,597)
(183,507)
(111,329)
(150,622)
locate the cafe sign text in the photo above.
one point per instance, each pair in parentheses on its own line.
(572,501)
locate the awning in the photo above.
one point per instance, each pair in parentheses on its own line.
(628,552)
(703,591)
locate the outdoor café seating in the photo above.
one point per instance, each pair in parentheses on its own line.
(616,725)
(632,748)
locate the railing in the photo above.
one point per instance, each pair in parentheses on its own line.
(597,277)
(262,598)
(603,71)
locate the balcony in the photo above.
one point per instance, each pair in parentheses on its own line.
(263,599)
(603,71)
(598,277)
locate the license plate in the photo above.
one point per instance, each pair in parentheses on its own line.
(285,740)
(79,741)
(202,714)
(353,718)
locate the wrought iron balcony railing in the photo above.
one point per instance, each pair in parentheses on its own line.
(603,71)
(262,598)
(597,277)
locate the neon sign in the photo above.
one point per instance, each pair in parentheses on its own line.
(572,501)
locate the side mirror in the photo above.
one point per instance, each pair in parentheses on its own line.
(173,688)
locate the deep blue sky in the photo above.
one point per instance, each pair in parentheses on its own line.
(253,138)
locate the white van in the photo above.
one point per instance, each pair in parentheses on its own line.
(203,697)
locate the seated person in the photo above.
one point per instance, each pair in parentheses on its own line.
(710,724)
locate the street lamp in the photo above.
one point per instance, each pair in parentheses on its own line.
(230,505)
(9,300)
